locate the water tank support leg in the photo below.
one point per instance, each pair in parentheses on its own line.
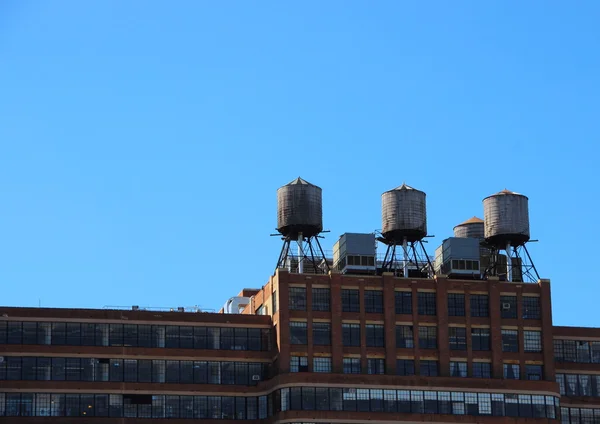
(509,276)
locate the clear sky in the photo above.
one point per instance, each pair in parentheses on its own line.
(142,142)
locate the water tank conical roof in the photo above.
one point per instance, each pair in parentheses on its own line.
(506,216)
(471,228)
(299,209)
(403,214)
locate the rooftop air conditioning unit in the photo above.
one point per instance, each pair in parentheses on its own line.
(180,309)
(135,308)
(256,377)
(506,306)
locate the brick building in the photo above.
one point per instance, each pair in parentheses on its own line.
(322,348)
(347,340)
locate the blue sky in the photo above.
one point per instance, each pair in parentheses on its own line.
(142,142)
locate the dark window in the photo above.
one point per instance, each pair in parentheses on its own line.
(480,338)
(428,368)
(375,335)
(511,371)
(88,334)
(297,301)
(458,369)
(510,341)
(59,333)
(298,364)
(186,337)
(321,299)
(227,338)
(531,307)
(73,334)
(374,301)
(274,301)
(427,337)
(30,332)
(115,334)
(321,333)
(458,338)
(508,306)
(298,333)
(350,334)
(350,300)
(73,369)
(532,341)
(14,332)
(480,305)
(2,332)
(405,367)
(351,365)
(322,364)
(28,368)
(403,301)
(404,336)
(130,372)
(482,370)
(534,372)
(427,303)
(456,305)
(130,335)
(375,366)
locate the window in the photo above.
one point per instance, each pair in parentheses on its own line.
(510,341)
(512,371)
(405,367)
(375,335)
(350,334)
(403,302)
(274,301)
(480,338)
(532,341)
(531,307)
(350,300)
(458,369)
(321,299)
(351,365)
(298,364)
(321,333)
(404,336)
(297,299)
(458,338)
(428,368)
(508,306)
(298,333)
(456,305)
(427,337)
(533,372)
(375,366)
(427,303)
(482,370)
(322,365)
(480,305)
(374,301)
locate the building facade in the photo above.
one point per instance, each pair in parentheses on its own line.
(308,348)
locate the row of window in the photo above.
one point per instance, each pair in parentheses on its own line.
(373,301)
(406,367)
(579,416)
(297,398)
(427,336)
(135,406)
(581,351)
(131,370)
(136,335)
(578,384)
(418,402)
